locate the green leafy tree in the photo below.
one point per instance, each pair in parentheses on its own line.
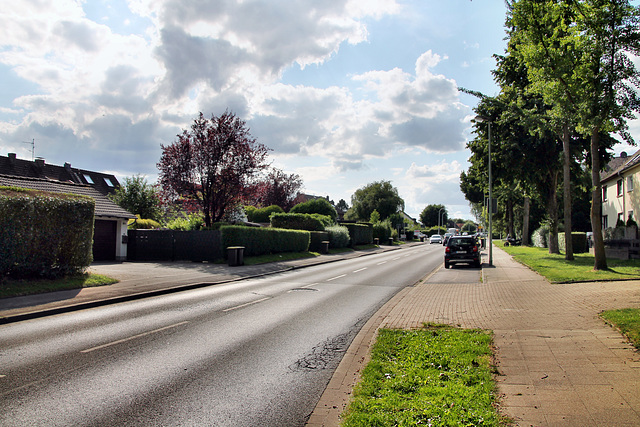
(375,217)
(380,196)
(138,197)
(429,215)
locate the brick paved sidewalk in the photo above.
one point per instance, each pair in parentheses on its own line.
(559,364)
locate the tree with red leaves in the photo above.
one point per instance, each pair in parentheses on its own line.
(278,188)
(214,164)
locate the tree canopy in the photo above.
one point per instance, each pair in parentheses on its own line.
(380,196)
(138,197)
(214,164)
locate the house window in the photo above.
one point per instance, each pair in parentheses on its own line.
(109,182)
(604,193)
(620,187)
(605,222)
(87,177)
(629,183)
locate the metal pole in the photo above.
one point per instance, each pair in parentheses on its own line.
(490,204)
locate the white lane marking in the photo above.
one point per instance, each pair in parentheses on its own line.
(245,304)
(133,337)
(357,271)
(309,285)
(337,277)
(380,263)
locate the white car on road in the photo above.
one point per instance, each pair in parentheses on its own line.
(436,238)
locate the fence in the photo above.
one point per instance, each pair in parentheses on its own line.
(172,245)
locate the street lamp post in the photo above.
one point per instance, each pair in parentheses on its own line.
(441,209)
(490,206)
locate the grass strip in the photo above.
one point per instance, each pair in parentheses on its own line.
(627,321)
(437,375)
(558,270)
(15,288)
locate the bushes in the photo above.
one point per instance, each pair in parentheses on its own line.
(540,237)
(360,233)
(263,214)
(190,223)
(579,240)
(382,230)
(260,241)
(44,234)
(143,224)
(309,222)
(317,206)
(338,236)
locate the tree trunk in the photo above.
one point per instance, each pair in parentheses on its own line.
(552,213)
(568,241)
(510,228)
(525,221)
(596,204)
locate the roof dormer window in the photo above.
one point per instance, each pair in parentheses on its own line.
(88,178)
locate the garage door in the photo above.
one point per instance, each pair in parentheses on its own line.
(104,240)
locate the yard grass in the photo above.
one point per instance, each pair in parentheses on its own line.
(558,270)
(15,288)
(627,321)
(437,375)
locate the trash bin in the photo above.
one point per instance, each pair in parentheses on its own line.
(390,241)
(324,247)
(376,241)
(235,255)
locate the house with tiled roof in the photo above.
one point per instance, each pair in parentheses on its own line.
(620,181)
(110,224)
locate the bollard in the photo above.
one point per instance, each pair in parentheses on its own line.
(376,241)
(324,247)
(235,255)
(391,241)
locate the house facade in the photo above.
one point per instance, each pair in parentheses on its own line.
(110,220)
(621,190)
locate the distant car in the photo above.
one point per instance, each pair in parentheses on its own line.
(445,239)
(462,249)
(436,238)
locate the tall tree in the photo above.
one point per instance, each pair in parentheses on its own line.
(214,163)
(277,188)
(584,63)
(432,213)
(138,197)
(380,196)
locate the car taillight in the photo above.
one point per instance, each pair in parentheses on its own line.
(475,248)
(447,249)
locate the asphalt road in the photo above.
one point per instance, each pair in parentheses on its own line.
(252,353)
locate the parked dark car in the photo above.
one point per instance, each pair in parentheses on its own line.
(464,249)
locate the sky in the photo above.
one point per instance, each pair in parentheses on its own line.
(343,92)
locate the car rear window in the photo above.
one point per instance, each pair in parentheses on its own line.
(462,242)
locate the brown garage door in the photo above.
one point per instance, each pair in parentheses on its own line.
(104,240)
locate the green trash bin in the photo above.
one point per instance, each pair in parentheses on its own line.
(235,255)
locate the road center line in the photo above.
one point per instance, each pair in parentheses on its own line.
(380,263)
(362,269)
(133,337)
(337,277)
(245,304)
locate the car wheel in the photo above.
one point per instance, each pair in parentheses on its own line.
(506,243)
(477,264)
(446,264)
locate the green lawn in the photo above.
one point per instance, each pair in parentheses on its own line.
(14,288)
(557,270)
(627,321)
(438,375)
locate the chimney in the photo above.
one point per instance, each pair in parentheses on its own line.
(623,155)
(67,166)
(39,162)
(12,159)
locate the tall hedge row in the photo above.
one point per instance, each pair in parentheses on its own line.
(260,241)
(360,233)
(44,234)
(579,242)
(301,221)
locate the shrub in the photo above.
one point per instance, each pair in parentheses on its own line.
(382,230)
(338,236)
(44,234)
(143,224)
(261,241)
(540,237)
(309,222)
(317,237)
(191,222)
(262,214)
(579,240)
(360,233)
(318,206)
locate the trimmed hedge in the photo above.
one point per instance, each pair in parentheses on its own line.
(300,221)
(360,233)
(338,236)
(382,230)
(317,237)
(44,234)
(579,240)
(261,241)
